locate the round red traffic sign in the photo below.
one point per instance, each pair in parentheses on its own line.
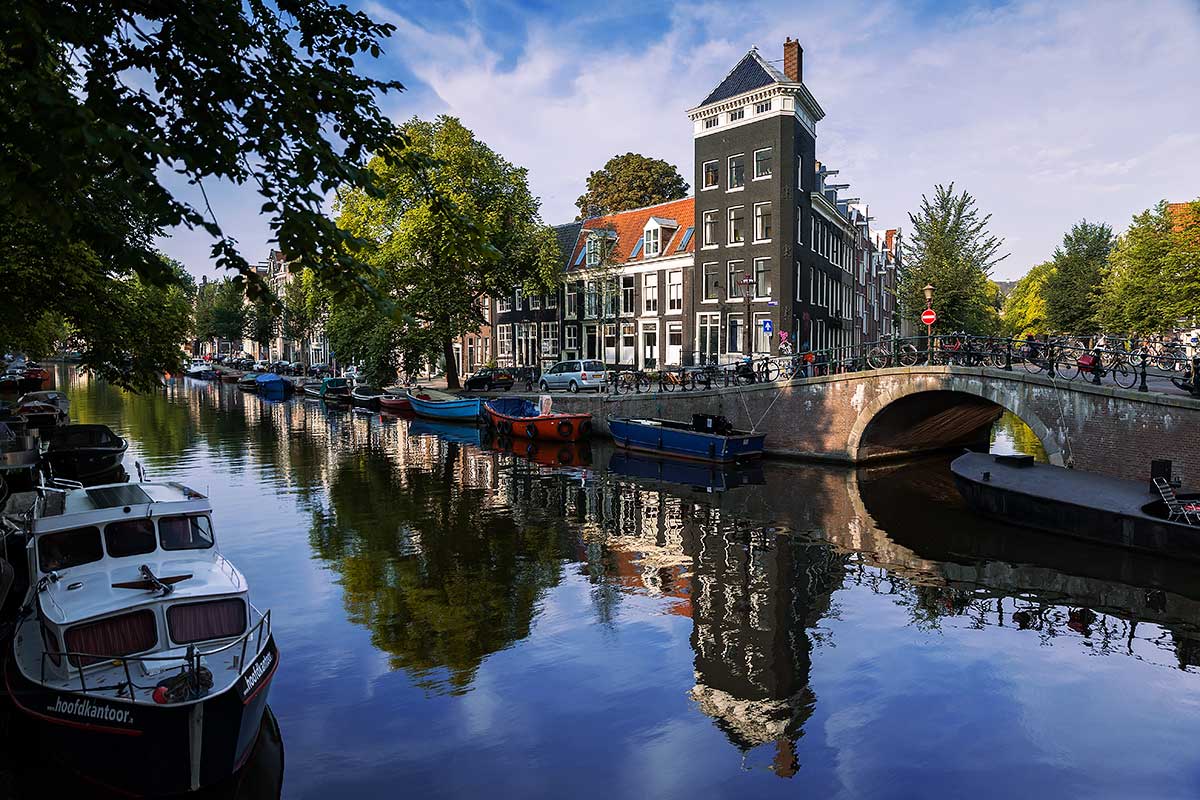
(929,316)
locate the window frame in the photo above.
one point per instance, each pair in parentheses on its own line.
(736,114)
(733,288)
(770,217)
(770,163)
(729,173)
(650,292)
(212,539)
(646,251)
(704,217)
(756,272)
(716,184)
(716,284)
(672,299)
(730,227)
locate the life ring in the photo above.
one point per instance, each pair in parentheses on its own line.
(564,455)
(531,430)
(585,427)
(565,429)
(504,426)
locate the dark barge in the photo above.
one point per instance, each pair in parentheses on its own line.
(1084,505)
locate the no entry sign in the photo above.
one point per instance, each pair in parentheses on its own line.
(929,316)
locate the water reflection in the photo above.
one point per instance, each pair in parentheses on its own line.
(465,559)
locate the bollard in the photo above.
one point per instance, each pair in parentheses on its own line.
(1143,387)
(1008,356)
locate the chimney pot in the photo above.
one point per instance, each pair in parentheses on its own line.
(793,60)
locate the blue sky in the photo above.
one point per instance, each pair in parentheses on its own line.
(1048,112)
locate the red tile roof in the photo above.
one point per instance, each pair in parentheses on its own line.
(629,226)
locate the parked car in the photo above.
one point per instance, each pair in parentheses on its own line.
(320,371)
(352,372)
(487,379)
(574,375)
(262,366)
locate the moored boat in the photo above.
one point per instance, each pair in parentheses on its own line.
(137,651)
(395,403)
(34,377)
(331,390)
(85,453)
(705,438)
(19,449)
(523,419)
(440,405)
(272,386)
(1084,505)
(365,396)
(248,382)
(44,410)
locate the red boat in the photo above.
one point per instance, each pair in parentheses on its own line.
(34,378)
(518,418)
(548,454)
(395,403)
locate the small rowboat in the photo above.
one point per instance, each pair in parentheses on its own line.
(229,377)
(440,405)
(521,419)
(705,438)
(395,402)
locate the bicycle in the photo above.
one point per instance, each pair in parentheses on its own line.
(767,371)
(670,380)
(883,354)
(632,381)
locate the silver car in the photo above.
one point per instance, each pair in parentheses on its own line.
(573,376)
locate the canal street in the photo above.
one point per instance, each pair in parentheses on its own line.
(457,621)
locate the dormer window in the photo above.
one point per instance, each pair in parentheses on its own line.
(652,242)
(593,251)
(711,122)
(736,114)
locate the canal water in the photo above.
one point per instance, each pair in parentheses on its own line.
(458,620)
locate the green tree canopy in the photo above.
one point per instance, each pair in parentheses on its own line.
(951,248)
(262,322)
(303,310)
(1072,289)
(630,181)
(221,311)
(1024,310)
(1136,291)
(435,272)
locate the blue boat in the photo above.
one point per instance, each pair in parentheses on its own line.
(272,386)
(439,405)
(710,476)
(446,431)
(705,438)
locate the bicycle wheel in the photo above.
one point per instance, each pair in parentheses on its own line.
(1123,374)
(908,355)
(641,382)
(768,371)
(667,381)
(1066,366)
(624,383)
(879,358)
(1033,364)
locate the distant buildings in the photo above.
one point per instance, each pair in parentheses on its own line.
(766,251)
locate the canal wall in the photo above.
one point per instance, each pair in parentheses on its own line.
(885,414)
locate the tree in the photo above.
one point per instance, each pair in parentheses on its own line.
(101,103)
(303,310)
(951,248)
(262,322)
(1183,262)
(1072,289)
(1136,292)
(221,311)
(1024,310)
(436,272)
(630,181)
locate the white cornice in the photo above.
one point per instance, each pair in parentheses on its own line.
(802,104)
(821,204)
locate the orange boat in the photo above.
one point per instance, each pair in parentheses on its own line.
(548,454)
(518,418)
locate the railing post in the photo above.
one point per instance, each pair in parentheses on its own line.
(1008,355)
(1143,387)
(1050,359)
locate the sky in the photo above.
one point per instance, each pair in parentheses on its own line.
(1046,112)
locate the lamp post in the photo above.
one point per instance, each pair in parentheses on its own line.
(747,281)
(928,290)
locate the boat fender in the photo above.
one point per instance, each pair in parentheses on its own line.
(565,429)
(564,455)
(585,427)
(531,431)
(504,426)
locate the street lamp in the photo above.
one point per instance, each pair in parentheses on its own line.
(928,290)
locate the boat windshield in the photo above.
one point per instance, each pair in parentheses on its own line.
(185,533)
(129,537)
(69,548)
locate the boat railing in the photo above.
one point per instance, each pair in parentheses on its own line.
(259,632)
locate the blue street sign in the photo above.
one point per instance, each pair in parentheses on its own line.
(768,327)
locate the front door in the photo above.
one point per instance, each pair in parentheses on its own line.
(649,345)
(674,354)
(708,332)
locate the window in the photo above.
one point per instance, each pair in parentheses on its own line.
(711,122)
(708,327)
(572,302)
(627,283)
(710,228)
(571,337)
(763,107)
(517,298)
(650,293)
(112,637)
(535,302)
(737,114)
(675,334)
(813,241)
(69,548)
(737,171)
(734,285)
(711,279)
(710,174)
(591,304)
(504,340)
(184,533)
(734,338)
(762,277)
(212,619)
(737,225)
(503,304)
(552,300)
(652,244)
(593,250)
(799,172)
(762,163)
(762,222)
(550,339)
(762,339)
(675,290)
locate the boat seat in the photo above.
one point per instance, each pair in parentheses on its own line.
(1176,509)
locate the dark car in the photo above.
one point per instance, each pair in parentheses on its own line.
(487,379)
(298,368)
(320,371)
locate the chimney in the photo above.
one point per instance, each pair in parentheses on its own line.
(793,60)
(891,236)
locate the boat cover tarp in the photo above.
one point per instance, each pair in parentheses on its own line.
(514,407)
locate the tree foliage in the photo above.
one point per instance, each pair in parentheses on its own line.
(630,181)
(436,272)
(950,247)
(1072,289)
(221,311)
(1024,310)
(303,310)
(262,322)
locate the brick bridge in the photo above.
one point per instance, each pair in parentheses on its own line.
(871,416)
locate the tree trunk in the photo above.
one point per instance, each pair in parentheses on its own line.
(451,366)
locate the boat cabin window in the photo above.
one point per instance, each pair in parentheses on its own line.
(130,537)
(185,533)
(69,548)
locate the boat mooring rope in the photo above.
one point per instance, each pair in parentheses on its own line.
(754,425)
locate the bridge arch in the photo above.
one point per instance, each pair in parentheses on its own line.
(915,416)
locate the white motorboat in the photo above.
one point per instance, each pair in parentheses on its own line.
(137,650)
